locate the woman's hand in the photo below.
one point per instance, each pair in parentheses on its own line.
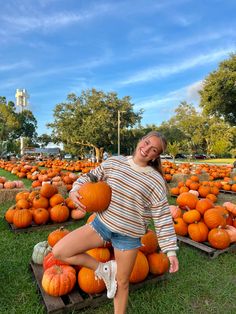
(174,264)
(75,197)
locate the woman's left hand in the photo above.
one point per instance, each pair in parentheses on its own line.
(174,264)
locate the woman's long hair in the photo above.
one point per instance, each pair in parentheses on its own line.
(156,163)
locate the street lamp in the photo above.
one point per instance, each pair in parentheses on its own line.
(118,131)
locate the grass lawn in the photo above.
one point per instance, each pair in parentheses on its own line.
(202,285)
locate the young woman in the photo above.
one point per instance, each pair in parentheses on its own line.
(138,195)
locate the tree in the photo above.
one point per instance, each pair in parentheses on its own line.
(173,149)
(91,120)
(190,123)
(218,96)
(44,139)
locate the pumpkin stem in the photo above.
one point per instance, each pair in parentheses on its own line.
(92,177)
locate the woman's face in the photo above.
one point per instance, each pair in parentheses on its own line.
(149,148)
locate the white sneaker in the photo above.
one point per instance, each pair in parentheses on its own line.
(107,272)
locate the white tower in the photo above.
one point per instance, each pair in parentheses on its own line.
(21,101)
(21,98)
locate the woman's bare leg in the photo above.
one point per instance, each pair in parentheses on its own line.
(71,248)
(125,263)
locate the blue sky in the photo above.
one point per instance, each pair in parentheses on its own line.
(156,51)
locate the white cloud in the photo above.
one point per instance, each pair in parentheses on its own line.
(159,72)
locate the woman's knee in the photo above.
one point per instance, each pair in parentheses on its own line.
(123,283)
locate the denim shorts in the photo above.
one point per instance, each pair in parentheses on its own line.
(118,241)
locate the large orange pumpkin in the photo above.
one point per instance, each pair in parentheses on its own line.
(140,269)
(22,218)
(59,280)
(158,263)
(59,213)
(187,200)
(198,231)
(96,195)
(219,238)
(203,205)
(88,283)
(214,218)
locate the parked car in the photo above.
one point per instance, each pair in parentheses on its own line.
(180,156)
(166,156)
(200,156)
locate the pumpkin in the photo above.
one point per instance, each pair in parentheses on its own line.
(57,235)
(231,230)
(219,238)
(49,260)
(22,195)
(59,213)
(22,218)
(9,185)
(191,216)
(40,202)
(231,207)
(40,250)
(101,254)
(198,231)
(56,199)
(96,195)
(10,213)
(175,211)
(48,190)
(149,242)
(214,218)
(204,204)
(204,190)
(88,283)
(59,280)
(158,263)
(140,269)
(181,228)
(187,200)
(40,216)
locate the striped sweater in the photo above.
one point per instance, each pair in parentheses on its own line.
(138,195)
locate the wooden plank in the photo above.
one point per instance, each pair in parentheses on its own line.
(228,192)
(35,227)
(77,300)
(205,247)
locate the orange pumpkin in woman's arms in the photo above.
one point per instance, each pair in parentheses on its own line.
(95,195)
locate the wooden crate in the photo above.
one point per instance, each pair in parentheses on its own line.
(206,248)
(78,299)
(35,227)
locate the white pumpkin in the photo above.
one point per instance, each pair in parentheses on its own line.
(40,250)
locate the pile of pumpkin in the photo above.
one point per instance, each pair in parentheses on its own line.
(59,278)
(202,221)
(202,189)
(7,184)
(41,206)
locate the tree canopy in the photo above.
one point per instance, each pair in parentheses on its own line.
(218,96)
(91,120)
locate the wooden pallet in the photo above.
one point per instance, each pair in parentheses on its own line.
(78,299)
(228,192)
(35,227)
(205,247)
